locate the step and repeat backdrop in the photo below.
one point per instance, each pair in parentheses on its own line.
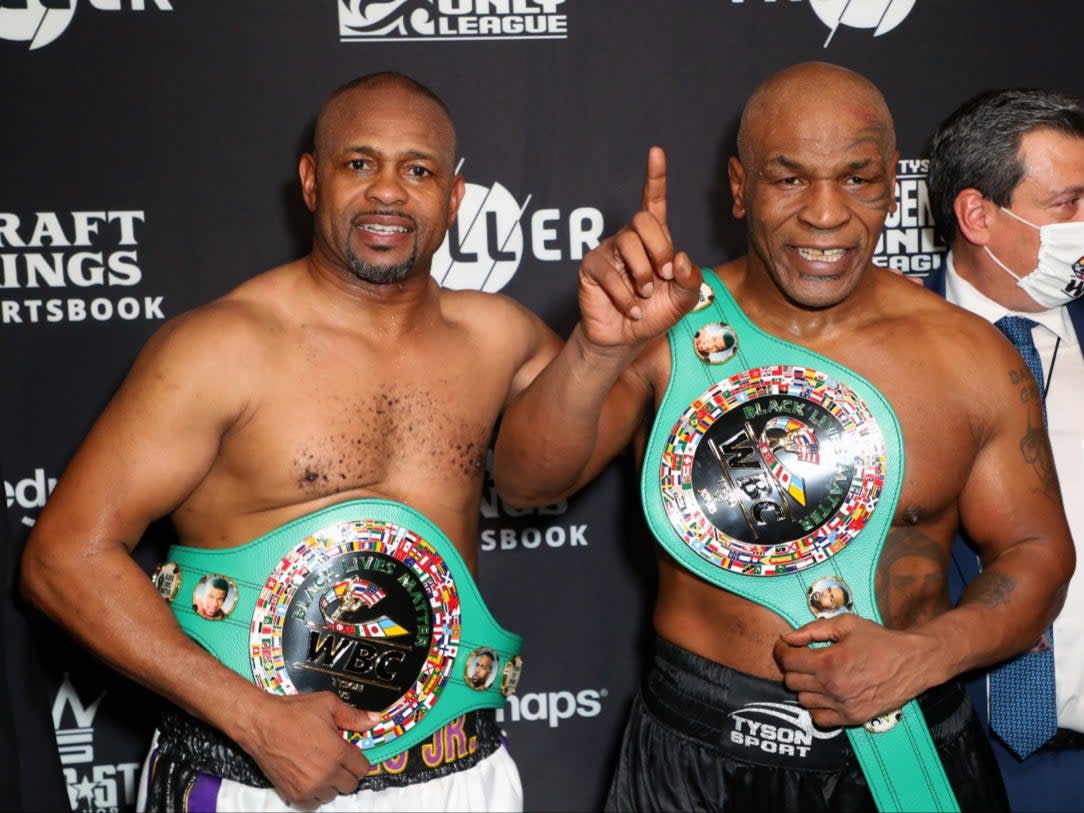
(149,152)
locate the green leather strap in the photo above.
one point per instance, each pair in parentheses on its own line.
(774,472)
(366,598)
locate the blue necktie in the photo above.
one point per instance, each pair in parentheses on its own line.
(1023,702)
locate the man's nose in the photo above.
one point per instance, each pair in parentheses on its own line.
(826,205)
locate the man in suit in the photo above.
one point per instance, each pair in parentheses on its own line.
(1006,183)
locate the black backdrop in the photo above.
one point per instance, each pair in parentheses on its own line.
(149,153)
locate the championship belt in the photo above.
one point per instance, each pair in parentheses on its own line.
(769,460)
(367,599)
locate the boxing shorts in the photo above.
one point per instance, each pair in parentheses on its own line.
(701,736)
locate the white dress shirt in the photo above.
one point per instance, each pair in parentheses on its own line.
(1064,377)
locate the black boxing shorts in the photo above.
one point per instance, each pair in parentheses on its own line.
(701,736)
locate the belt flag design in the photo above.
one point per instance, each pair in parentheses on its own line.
(367,599)
(383,641)
(773,472)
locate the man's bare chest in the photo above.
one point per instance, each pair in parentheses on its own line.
(320,440)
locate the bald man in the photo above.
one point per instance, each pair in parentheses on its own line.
(310,397)
(860,370)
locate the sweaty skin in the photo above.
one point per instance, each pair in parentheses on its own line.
(337,376)
(814,181)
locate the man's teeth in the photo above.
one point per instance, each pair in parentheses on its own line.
(829,255)
(380,228)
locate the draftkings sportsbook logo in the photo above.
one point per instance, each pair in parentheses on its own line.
(908,243)
(494,232)
(880,15)
(64,267)
(39,22)
(427,20)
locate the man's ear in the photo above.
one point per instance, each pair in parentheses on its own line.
(972,209)
(306,170)
(736,174)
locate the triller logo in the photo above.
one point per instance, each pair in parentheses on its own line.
(880,15)
(422,20)
(39,22)
(485,246)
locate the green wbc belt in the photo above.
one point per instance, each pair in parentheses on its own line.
(774,472)
(367,599)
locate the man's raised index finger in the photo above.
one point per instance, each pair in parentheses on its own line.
(653,199)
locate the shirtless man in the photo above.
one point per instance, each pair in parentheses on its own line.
(814,181)
(334,377)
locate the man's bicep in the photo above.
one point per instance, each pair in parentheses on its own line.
(151,446)
(540,345)
(1012,491)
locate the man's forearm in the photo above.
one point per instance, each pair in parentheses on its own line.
(549,437)
(1004,610)
(129,626)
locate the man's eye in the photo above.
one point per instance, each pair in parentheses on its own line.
(419,172)
(856,180)
(359,163)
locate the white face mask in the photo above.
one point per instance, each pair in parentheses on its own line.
(1059,275)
